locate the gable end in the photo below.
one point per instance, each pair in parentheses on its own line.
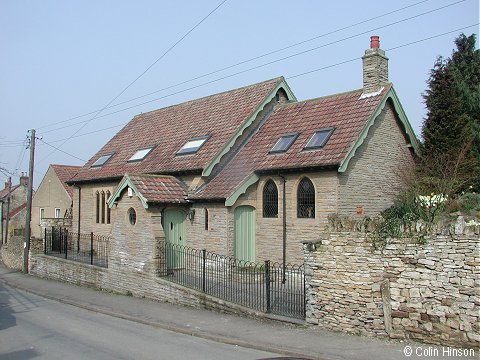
(397,107)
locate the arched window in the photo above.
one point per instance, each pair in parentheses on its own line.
(270,200)
(305,199)
(97,207)
(132,216)
(206,219)
(103,207)
(108,207)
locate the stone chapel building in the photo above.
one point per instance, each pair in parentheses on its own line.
(249,173)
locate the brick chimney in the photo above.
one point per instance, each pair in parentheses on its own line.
(24,180)
(375,67)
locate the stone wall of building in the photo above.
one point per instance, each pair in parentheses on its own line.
(11,253)
(87,207)
(428,292)
(128,280)
(50,195)
(269,230)
(207,228)
(374,175)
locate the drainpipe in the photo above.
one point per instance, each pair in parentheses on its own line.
(79,210)
(284,181)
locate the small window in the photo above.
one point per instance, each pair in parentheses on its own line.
(132,216)
(140,154)
(102,160)
(270,200)
(206,219)
(284,143)
(108,208)
(306,199)
(103,208)
(42,213)
(192,146)
(97,207)
(57,213)
(319,139)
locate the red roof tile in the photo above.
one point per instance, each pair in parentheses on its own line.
(346,113)
(17,210)
(64,173)
(4,192)
(159,188)
(218,116)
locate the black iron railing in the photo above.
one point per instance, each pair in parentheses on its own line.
(268,287)
(86,248)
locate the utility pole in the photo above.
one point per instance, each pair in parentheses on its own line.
(26,244)
(8,208)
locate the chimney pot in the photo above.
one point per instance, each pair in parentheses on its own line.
(375,67)
(24,180)
(374,42)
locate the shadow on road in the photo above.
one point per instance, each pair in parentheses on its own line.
(20,355)
(7,319)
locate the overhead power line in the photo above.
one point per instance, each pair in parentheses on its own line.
(272,62)
(58,149)
(237,64)
(288,77)
(389,49)
(260,65)
(139,76)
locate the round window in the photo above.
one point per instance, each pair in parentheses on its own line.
(132,216)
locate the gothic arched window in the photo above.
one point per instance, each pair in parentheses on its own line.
(305,199)
(270,200)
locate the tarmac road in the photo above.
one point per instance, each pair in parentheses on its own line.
(292,340)
(32,327)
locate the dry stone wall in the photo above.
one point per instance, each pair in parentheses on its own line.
(428,292)
(11,253)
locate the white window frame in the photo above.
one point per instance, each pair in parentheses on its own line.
(192,145)
(141,154)
(310,144)
(59,211)
(102,160)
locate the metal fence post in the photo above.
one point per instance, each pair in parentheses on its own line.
(45,242)
(91,248)
(204,275)
(267,283)
(62,233)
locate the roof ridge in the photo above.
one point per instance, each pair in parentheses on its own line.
(150,175)
(277,79)
(387,87)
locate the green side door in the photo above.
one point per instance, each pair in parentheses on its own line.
(174,228)
(244,229)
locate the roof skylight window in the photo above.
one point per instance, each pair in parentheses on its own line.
(192,146)
(102,160)
(284,143)
(140,154)
(319,139)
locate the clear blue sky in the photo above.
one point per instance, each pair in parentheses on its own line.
(62,59)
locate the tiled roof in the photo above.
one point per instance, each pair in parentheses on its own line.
(218,116)
(159,188)
(347,113)
(64,173)
(4,192)
(17,210)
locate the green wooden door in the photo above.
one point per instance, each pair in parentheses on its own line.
(174,228)
(244,229)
